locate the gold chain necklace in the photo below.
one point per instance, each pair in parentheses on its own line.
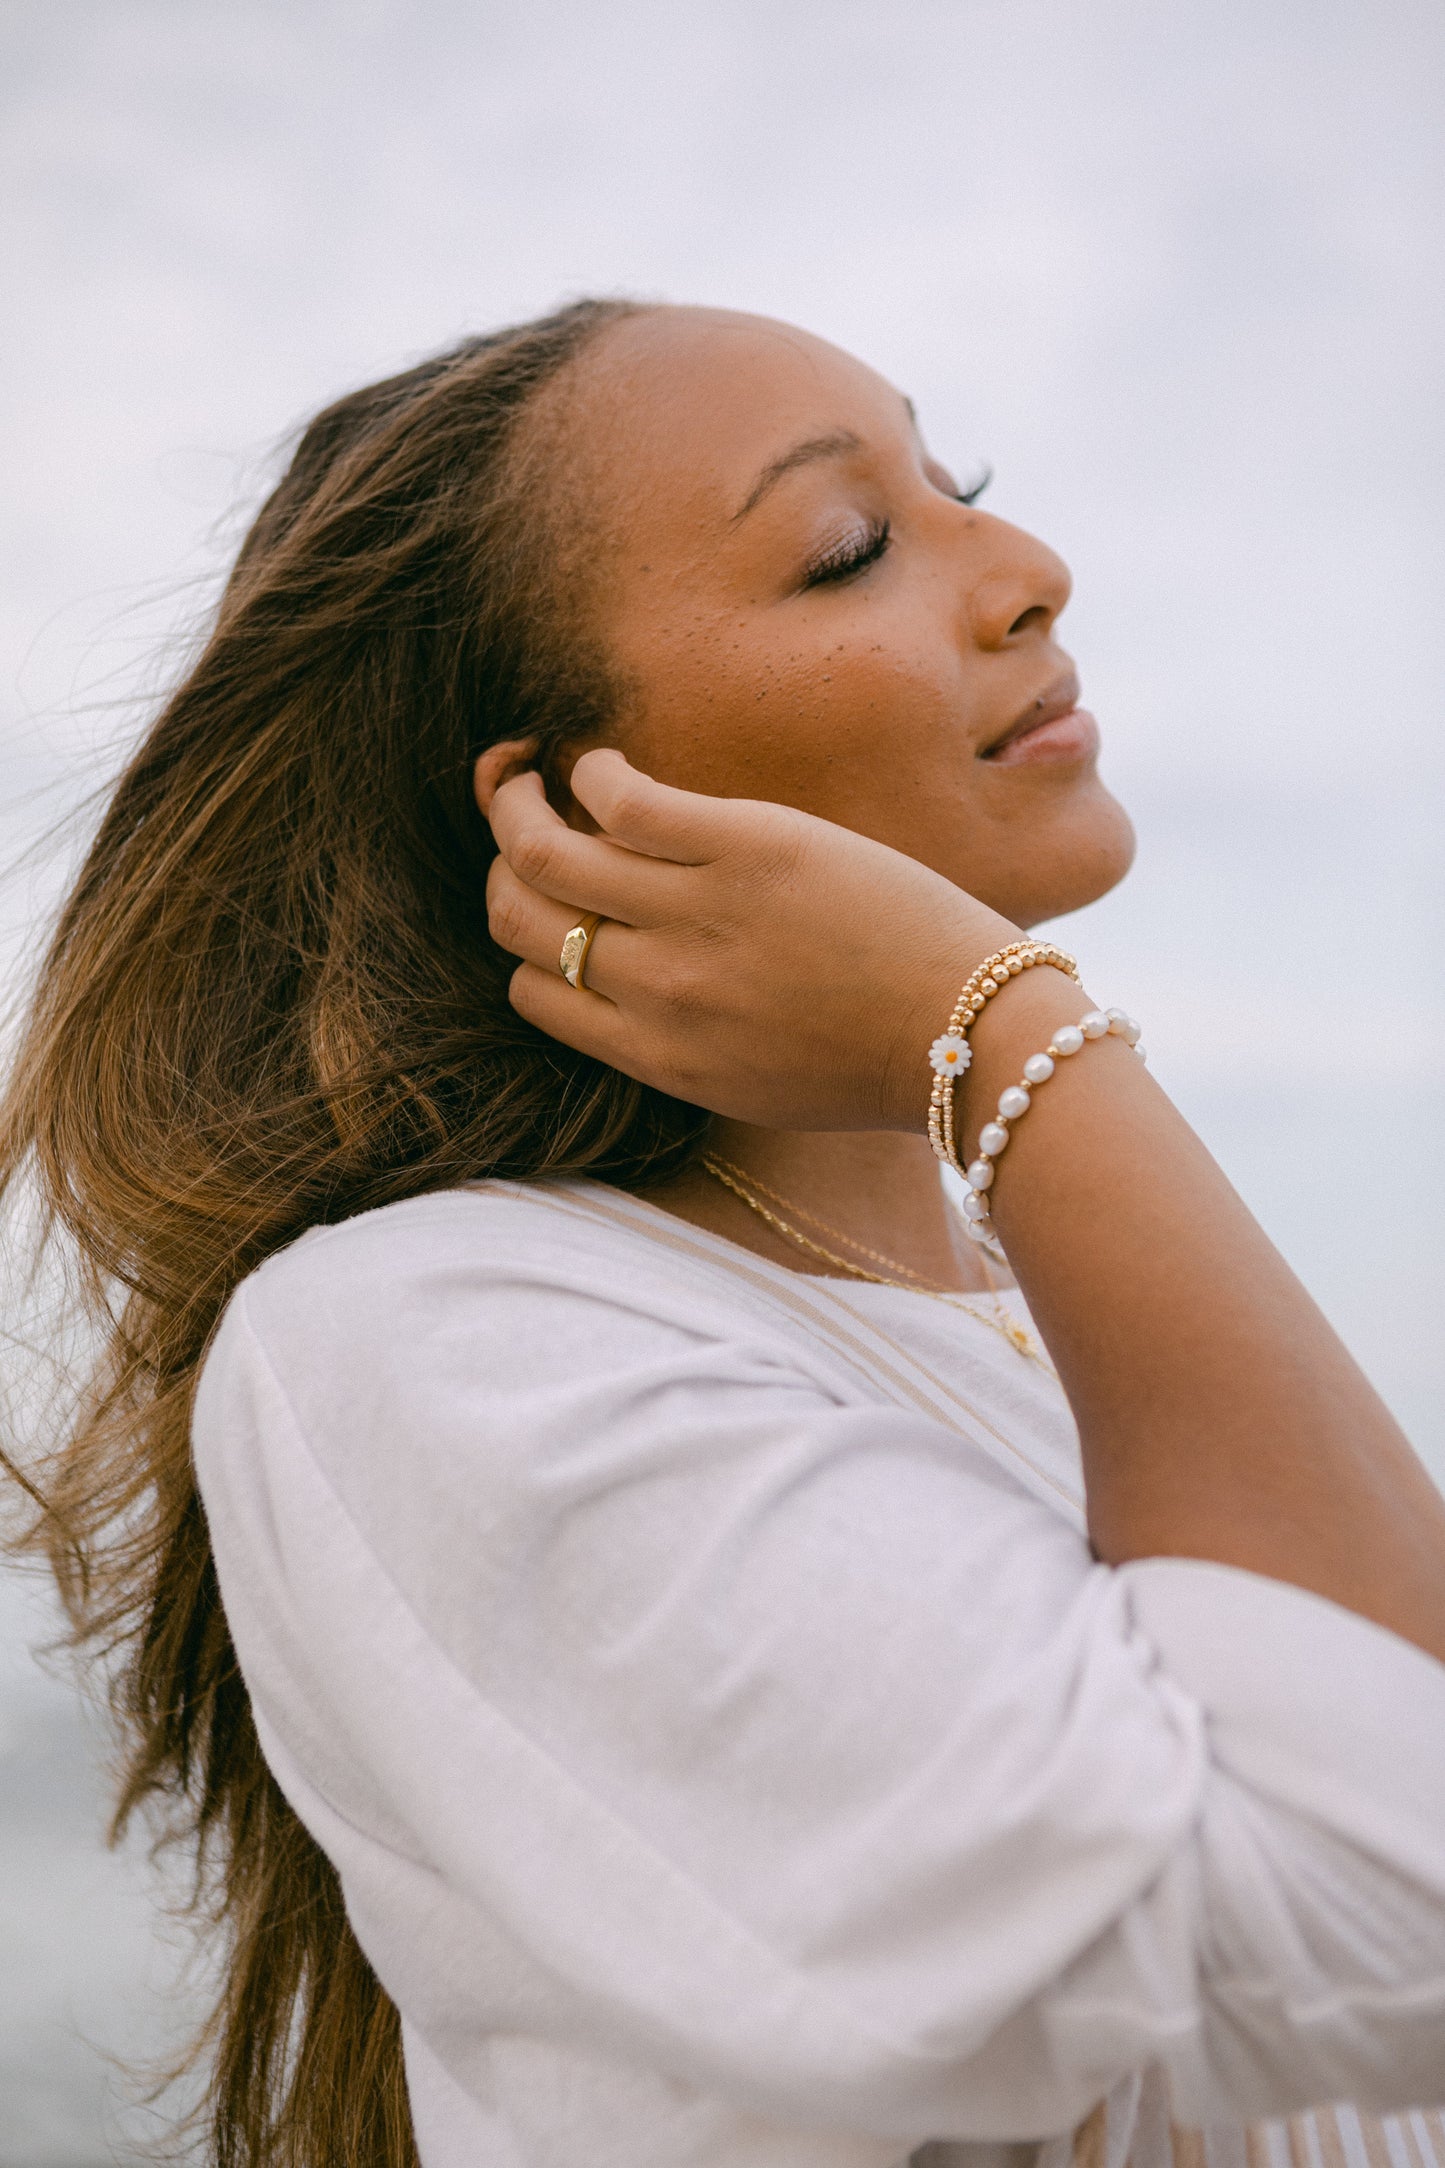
(737,1180)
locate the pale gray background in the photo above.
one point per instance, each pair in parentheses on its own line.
(1174,268)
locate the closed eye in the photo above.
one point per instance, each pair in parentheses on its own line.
(850,556)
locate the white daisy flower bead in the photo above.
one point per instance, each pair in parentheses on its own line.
(950,1055)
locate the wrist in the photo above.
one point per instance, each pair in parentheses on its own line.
(927,992)
(1019,1022)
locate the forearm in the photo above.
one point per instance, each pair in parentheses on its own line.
(1220,1417)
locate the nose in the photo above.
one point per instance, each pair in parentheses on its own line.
(1020,588)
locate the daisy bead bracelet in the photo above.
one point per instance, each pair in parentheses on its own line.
(1015,1100)
(951,1053)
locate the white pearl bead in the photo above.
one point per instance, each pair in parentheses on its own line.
(1095,1025)
(975,1205)
(1138,1049)
(992,1138)
(1124,1027)
(1038,1068)
(1013,1102)
(1068,1039)
(981,1230)
(980,1174)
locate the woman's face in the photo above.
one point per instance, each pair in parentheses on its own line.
(802,609)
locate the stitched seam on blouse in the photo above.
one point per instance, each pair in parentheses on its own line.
(1420,1994)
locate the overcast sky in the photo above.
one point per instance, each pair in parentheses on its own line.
(1175,270)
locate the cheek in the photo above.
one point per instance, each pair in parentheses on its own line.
(828,723)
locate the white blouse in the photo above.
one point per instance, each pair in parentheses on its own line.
(733,1755)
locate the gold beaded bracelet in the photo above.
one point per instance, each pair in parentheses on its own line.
(950,1053)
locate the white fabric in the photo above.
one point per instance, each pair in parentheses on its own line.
(732,1753)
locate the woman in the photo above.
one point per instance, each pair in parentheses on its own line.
(665,1643)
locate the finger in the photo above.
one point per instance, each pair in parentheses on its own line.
(533,927)
(656,818)
(591,873)
(577,1015)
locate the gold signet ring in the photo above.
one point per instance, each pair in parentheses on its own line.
(575,947)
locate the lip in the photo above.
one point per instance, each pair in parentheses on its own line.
(1052,727)
(1073,735)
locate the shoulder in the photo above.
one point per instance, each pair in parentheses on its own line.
(517,1274)
(476,1327)
(551,1239)
(476,1388)
(509,1269)
(539,1233)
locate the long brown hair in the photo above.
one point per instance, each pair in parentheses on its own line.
(271,1001)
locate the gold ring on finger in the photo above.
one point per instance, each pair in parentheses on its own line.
(575,947)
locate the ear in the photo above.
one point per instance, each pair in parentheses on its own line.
(496,764)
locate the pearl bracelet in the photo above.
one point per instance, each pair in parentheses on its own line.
(1014,1101)
(950,1054)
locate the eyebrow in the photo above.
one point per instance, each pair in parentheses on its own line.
(831,446)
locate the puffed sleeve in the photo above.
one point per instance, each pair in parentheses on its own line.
(647,1694)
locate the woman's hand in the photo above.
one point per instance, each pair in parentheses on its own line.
(753,960)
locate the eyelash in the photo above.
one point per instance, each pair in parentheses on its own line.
(859,551)
(846,558)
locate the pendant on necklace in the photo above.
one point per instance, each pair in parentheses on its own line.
(1016,1333)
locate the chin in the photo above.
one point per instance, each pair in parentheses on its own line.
(1085,855)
